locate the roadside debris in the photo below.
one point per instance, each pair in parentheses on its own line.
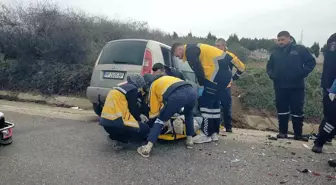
(293,153)
(273,138)
(332,163)
(76,108)
(235,160)
(289,142)
(283,182)
(306,146)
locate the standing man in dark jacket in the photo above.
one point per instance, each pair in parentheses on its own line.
(328,83)
(288,66)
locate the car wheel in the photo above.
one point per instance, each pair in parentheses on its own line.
(97,109)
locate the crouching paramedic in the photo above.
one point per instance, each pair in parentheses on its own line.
(120,117)
(328,83)
(167,96)
(211,67)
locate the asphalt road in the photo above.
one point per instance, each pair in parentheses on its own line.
(51,150)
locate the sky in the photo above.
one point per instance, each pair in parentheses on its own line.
(247,18)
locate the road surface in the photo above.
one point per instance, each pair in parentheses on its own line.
(64,146)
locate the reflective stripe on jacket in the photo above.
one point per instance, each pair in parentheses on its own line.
(116,106)
(160,89)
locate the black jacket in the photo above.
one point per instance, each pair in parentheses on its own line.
(289,66)
(173,72)
(329,64)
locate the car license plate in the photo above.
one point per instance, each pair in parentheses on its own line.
(114,75)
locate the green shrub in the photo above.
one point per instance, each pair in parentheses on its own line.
(258,92)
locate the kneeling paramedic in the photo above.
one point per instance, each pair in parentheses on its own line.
(328,83)
(167,96)
(120,117)
(212,69)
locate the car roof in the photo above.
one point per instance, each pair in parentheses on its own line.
(144,40)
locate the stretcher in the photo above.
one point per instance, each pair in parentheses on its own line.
(171,134)
(6,131)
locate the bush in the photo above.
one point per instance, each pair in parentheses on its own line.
(259,93)
(52,51)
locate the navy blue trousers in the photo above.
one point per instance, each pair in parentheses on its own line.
(125,134)
(186,97)
(213,96)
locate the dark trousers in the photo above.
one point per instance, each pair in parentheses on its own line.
(125,134)
(210,102)
(227,111)
(186,97)
(328,124)
(290,102)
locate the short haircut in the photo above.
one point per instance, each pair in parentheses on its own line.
(221,40)
(158,66)
(332,38)
(284,33)
(174,46)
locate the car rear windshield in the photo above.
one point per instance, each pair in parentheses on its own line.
(123,52)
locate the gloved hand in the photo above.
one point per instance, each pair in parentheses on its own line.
(144,118)
(332,96)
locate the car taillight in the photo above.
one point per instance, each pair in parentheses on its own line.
(148,63)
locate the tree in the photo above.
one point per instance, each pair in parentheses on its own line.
(315,49)
(175,36)
(323,49)
(239,51)
(232,39)
(190,35)
(211,37)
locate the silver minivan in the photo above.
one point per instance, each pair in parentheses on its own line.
(124,57)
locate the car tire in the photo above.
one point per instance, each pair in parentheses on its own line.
(97,109)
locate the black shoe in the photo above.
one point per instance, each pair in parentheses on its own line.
(317,149)
(332,163)
(282,136)
(301,138)
(228,130)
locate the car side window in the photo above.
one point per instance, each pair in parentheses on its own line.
(166,56)
(186,70)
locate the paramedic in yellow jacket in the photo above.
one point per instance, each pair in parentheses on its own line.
(121,117)
(212,69)
(236,63)
(167,96)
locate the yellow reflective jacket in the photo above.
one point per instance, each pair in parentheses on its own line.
(116,106)
(209,63)
(238,64)
(160,89)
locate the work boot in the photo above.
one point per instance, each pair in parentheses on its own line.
(189,142)
(332,163)
(117,145)
(145,150)
(317,149)
(214,137)
(301,138)
(282,136)
(229,130)
(201,138)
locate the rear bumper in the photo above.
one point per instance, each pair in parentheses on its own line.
(93,93)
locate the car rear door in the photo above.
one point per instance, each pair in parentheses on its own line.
(118,60)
